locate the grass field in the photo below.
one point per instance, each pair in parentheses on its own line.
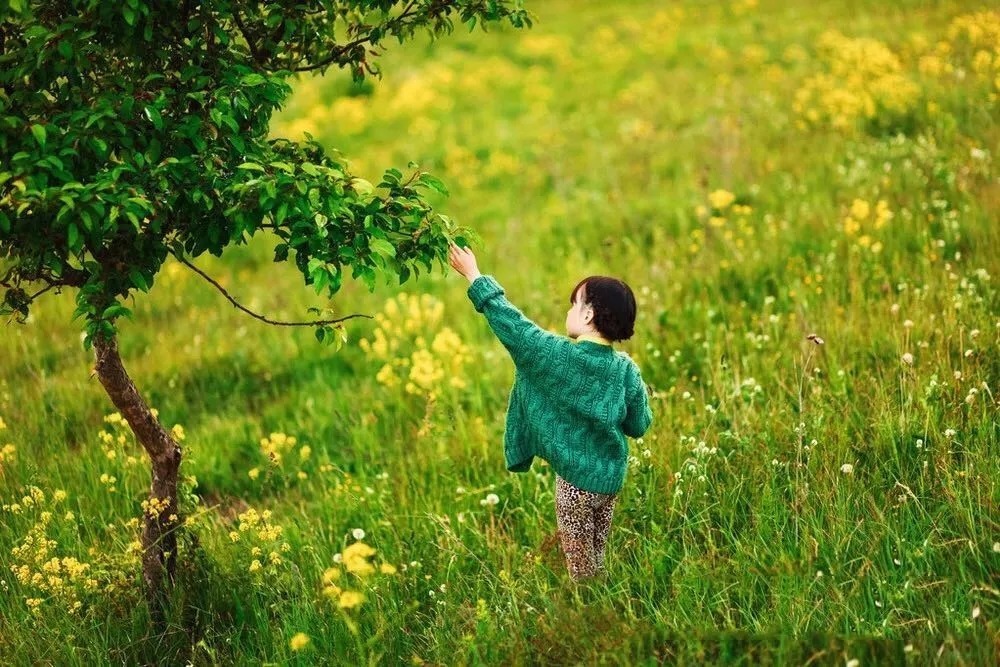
(757,172)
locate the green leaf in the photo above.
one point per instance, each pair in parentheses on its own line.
(73,237)
(284,166)
(368,276)
(154,116)
(361,186)
(115,310)
(336,279)
(39,132)
(433,183)
(138,280)
(253,79)
(251,166)
(321,277)
(382,247)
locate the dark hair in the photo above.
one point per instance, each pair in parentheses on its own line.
(613,304)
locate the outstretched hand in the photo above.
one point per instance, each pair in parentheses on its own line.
(463,261)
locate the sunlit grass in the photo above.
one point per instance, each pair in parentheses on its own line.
(792,499)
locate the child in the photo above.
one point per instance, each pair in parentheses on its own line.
(572,403)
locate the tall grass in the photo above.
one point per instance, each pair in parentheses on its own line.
(793,502)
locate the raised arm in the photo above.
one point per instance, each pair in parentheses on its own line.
(529,345)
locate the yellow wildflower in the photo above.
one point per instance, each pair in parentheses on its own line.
(350,599)
(882,214)
(299,641)
(860,209)
(721,199)
(355,556)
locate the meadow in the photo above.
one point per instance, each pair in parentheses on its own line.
(804,198)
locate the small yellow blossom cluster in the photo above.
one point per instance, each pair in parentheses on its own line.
(461,166)
(556,48)
(116,437)
(57,580)
(278,448)
(256,531)
(411,94)
(715,218)
(299,641)
(399,342)
(276,445)
(421,91)
(980,30)
(65,581)
(6,451)
(861,216)
(864,77)
(972,44)
(33,497)
(109,481)
(354,560)
(154,507)
(721,204)
(975,45)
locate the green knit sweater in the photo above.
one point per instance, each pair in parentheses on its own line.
(573,402)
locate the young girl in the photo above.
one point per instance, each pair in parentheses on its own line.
(573,401)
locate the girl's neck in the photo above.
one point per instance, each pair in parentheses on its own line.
(594,337)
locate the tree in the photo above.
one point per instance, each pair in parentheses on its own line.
(137,130)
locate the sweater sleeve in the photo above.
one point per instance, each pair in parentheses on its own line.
(522,337)
(638,415)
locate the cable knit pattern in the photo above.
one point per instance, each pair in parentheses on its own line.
(573,402)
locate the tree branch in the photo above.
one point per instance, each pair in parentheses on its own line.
(42,291)
(254,53)
(329,60)
(255,315)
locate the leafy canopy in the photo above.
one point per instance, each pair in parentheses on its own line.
(133,130)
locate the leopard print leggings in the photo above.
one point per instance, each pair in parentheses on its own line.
(584,520)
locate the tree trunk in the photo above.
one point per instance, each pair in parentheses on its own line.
(161,520)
